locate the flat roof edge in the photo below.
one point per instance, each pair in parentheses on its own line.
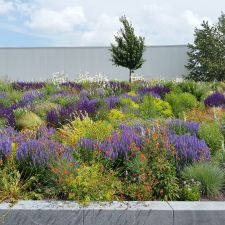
(72,47)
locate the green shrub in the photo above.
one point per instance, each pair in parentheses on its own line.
(99,130)
(198,90)
(161,165)
(173,86)
(14,95)
(27,119)
(6,101)
(181,102)
(89,183)
(49,88)
(85,128)
(219,159)
(63,101)
(13,187)
(5,86)
(211,133)
(153,108)
(210,176)
(127,102)
(116,114)
(2,122)
(42,108)
(191,191)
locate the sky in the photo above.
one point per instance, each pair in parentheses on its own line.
(35,23)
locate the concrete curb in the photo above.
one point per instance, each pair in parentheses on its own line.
(114,213)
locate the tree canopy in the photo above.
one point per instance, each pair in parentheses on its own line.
(207,53)
(128,48)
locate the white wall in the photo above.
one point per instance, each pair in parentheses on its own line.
(28,64)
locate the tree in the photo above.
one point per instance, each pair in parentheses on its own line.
(129,48)
(207,54)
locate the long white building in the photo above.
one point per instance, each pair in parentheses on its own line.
(29,64)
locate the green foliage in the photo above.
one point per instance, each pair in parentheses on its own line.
(161,162)
(63,101)
(115,114)
(13,187)
(49,88)
(199,90)
(6,101)
(206,55)
(154,107)
(90,183)
(5,86)
(210,176)
(2,122)
(27,119)
(181,102)
(219,159)
(43,107)
(128,50)
(211,133)
(19,112)
(129,107)
(85,128)
(14,96)
(99,130)
(134,191)
(127,102)
(191,191)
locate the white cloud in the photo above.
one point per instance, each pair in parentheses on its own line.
(85,22)
(101,31)
(194,20)
(52,21)
(5,7)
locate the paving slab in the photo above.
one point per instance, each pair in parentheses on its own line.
(198,213)
(128,213)
(43,213)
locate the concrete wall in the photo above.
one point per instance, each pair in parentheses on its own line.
(113,213)
(162,62)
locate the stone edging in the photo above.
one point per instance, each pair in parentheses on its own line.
(115,213)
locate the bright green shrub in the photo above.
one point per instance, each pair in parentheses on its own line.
(211,133)
(127,102)
(210,176)
(116,114)
(181,102)
(154,107)
(85,128)
(163,107)
(99,130)
(75,130)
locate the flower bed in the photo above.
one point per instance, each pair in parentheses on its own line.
(112,141)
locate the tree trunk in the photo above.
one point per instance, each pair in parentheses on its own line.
(130,76)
